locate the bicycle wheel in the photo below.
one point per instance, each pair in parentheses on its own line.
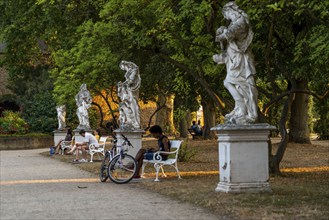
(103,175)
(122,169)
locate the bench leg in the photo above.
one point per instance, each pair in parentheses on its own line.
(157,169)
(177,171)
(91,158)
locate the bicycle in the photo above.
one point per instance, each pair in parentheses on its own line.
(117,165)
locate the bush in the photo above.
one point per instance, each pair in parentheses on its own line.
(185,154)
(12,123)
(39,111)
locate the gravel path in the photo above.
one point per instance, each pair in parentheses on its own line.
(36,187)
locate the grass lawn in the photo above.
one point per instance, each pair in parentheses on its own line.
(302,192)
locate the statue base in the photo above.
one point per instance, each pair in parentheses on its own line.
(243,187)
(134,136)
(59,135)
(243,158)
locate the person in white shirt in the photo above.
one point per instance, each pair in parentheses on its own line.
(83,146)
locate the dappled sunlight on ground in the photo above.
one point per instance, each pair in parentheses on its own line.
(213,172)
(305,169)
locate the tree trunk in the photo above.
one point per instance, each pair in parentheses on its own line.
(299,130)
(184,125)
(275,160)
(165,117)
(209,115)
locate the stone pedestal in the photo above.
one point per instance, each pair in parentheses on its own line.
(135,138)
(243,157)
(59,135)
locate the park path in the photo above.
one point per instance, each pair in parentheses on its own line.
(36,187)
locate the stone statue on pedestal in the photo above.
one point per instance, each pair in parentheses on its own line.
(61,113)
(235,43)
(128,92)
(83,100)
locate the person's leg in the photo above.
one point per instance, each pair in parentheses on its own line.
(140,155)
(72,149)
(139,159)
(84,151)
(77,152)
(58,146)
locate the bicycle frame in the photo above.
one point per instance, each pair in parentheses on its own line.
(118,149)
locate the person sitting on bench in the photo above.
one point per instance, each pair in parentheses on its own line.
(163,145)
(196,128)
(84,146)
(68,137)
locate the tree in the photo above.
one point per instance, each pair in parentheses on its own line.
(288,52)
(32,32)
(172,43)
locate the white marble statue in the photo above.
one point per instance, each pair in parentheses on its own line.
(235,43)
(128,92)
(83,100)
(61,114)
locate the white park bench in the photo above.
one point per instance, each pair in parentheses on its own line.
(67,145)
(97,150)
(171,161)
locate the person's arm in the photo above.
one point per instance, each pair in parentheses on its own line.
(80,144)
(165,143)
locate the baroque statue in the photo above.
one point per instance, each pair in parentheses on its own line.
(61,114)
(236,54)
(83,100)
(128,92)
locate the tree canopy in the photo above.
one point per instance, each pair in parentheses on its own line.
(172,42)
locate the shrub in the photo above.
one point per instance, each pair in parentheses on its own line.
(39,111)
(185,154)
(12,123)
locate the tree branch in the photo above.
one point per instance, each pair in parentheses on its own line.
(101,114)
(198,78)
(159,107)
(276,99)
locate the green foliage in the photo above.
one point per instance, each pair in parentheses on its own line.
(40,112)
(93,118)
(290,45)
(32,31)
(186,154)
(12,123)
(27,135)
(171,41)
(321,126)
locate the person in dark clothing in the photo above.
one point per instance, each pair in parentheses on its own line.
(68,137)
(196,129)
(163,145)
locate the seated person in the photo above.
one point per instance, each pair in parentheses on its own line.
(88,139)
(163,145)
(200,127)
(68,137)
(196,129)
(97,134)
